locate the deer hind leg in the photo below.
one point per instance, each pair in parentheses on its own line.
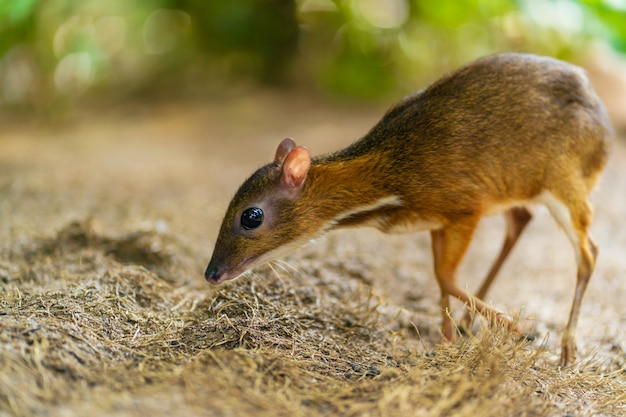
(516,220)
(449,245)
(575,218)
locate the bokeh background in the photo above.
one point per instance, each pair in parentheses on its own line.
(58,54)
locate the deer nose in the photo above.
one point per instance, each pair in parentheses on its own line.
(212,274)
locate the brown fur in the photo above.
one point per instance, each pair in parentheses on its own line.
(492,135)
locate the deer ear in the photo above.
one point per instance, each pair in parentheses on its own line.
(283,150)
(294,171)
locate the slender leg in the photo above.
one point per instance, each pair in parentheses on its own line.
(568,342)
(516,220)
(447,327)
(449,245)
(575,218)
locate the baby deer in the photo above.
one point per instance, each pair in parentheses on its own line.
(496,135)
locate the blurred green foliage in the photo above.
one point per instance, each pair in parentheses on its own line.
(54,52)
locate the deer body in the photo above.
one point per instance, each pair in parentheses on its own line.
(494,136)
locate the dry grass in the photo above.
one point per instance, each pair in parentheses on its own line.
(84,333)
(103,313)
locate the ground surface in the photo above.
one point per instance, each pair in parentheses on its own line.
(108,221)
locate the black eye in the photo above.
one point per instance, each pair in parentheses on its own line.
(251,218)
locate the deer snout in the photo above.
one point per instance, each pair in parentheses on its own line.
(219,270)
(213,275)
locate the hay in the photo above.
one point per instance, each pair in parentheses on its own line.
(84,331)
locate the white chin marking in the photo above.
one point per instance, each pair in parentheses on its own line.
(246,272)
(235,273)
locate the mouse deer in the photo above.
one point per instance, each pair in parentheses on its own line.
(494,136)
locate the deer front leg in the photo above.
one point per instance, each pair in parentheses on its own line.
(449,245)
(516,220)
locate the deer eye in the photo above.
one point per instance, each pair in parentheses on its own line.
(251,218)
